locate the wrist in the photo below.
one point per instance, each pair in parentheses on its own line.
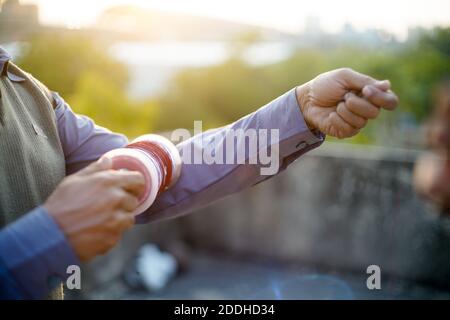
(52,213)
(303,94)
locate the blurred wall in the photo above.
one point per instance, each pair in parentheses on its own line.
(340,207)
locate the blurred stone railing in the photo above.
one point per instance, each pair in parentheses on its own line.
(340,206)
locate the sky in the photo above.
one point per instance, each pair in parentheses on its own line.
(287,15)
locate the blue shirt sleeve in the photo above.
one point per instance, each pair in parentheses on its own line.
(8,286)
(33,251)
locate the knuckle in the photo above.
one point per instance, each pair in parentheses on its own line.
(119,194)
(104,249)
(345,71)
(124,221)
(128,200)
(118,216)
(353,133)
(392,102)
(103,178)
(351,100)
(134,200)
(128,222)
(346,133)
(351,104)
(374,113)
(111,240)
(363,123)
(107,243)
(360,122)
(341,134)
(114,240)
(111,196)
(137,178)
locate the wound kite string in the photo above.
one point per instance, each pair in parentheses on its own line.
(156,158)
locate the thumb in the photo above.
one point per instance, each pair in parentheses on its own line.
(357,81)
(101,164)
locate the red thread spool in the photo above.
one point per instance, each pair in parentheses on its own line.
(156,158)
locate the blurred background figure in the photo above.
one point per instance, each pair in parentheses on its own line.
(432,172)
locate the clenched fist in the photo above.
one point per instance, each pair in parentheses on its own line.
(94,207)
(339,103)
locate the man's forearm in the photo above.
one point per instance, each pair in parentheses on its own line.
(337,103)
(201,184)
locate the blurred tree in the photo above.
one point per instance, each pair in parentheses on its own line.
(91,81)
(217,95)
(94,83)
(438,38)
(59,61)
(99,98)
(221,94)
(241,42)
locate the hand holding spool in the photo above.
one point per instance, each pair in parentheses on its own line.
(156,158)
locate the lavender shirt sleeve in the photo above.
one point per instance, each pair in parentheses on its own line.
(82,140)
(199,184)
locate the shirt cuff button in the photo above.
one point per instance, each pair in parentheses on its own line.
(301,145)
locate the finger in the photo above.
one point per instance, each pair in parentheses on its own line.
(135,190)
(109,241)
(383,99)
(125,200)
(351,118)
(384,85)
(355,80)
(129,180)
(361,106)
(132,182)
(126,220)
(339,128)
(120,222)
(101,164)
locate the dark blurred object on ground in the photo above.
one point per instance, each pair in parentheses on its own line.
(154,267)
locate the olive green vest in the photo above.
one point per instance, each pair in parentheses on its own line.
(31,156)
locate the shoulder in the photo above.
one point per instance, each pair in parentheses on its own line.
(18,72)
